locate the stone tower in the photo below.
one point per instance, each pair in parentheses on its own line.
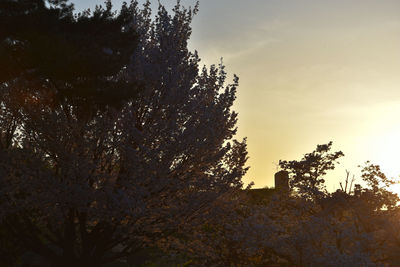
(282,180)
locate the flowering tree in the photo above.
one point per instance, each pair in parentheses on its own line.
(293,231)
(314,227)
(83,188)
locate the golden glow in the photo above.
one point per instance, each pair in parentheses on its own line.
(310,72)
(385,144)
(386,149)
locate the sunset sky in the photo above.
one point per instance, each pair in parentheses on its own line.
(310,72)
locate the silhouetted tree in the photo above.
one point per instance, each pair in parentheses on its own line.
(78,57)
(334,229)
(82,188)
(376,193)
(307,175)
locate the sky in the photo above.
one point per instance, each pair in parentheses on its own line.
(311,71)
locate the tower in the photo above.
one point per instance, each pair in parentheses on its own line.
(282,180)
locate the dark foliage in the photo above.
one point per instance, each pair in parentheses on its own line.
(307,174)
(75,56)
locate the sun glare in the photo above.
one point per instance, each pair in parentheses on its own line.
(385,149)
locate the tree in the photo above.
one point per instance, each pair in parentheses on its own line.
(307,174)
(293,231)
(333,229)
(85,186)
(377,193)
(346,227)
(76,56)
